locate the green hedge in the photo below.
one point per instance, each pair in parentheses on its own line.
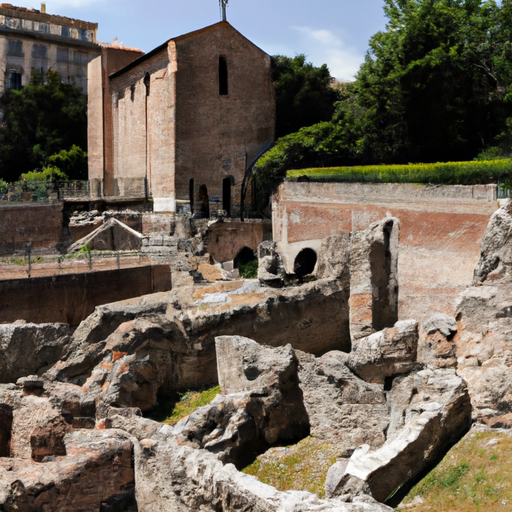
(452,173)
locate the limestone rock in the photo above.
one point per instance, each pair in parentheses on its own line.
(137,361)
(496,247)
(212,273)
(312,317)
(96,473)
(437,346)
(270,265)
(196,480)
(342,408)
(333,258)
(28,349)
(484,315)
(386,353)
(264,405)
(374,278)
(430,411)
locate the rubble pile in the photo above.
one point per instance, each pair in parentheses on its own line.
(327,358)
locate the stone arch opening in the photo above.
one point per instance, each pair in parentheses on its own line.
(246,262)
(147,83)
(223,76)
(204,202)
(305,262)
(191,194)
(227,183)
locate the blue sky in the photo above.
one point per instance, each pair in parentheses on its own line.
(334,32)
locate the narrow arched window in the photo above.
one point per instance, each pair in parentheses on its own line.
(223,76)
(147,83)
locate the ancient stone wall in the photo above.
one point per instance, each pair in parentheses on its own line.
(441,228)
(224,240)
(22,223)
(71,298)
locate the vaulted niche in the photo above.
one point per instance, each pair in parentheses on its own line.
(226,194)
(147,83)
(223,76)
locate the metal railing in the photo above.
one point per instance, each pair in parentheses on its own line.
(44,191)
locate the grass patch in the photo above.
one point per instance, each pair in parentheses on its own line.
(474,476)
(22,261)
(448,173)
(249,270)
(173,407)
(301,467)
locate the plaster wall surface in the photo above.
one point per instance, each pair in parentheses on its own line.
(31,39)
(441,228)
(39,224)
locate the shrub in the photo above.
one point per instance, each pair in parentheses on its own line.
(447,173)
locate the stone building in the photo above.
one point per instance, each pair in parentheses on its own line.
(180,125)
(31,39)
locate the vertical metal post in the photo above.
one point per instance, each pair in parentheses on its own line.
(29,254)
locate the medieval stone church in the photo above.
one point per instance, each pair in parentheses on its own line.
(179,125)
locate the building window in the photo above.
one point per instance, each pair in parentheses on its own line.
(13,81)
(39,51)
(64,31)
(15,47)
(44,27)
(62,55)
(80,58)
(223,76)
(147,83)
(82,34)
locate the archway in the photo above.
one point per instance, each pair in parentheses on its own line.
(305,262)
(191,195)
(246,263)
(227,183)
(204,202)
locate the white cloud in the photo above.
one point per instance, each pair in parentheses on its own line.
(324,46)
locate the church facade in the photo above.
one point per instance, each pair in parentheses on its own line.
(179,125)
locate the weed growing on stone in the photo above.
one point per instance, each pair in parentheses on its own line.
(249,270)
(176,406)
(300,467)
(474,476)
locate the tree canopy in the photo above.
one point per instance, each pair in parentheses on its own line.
(304,95)
(436,85)
(41,120)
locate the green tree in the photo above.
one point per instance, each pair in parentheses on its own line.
(40,120)
(433,85)
(304,95)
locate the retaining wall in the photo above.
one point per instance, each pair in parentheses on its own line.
(40,224)
(71,298)
(441,228)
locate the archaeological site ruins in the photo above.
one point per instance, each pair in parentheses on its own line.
(376,334)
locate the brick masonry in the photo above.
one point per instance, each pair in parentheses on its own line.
(441,228)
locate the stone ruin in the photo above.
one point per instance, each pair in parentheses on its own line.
(392,395)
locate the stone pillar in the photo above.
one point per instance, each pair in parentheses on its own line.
(374,278)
